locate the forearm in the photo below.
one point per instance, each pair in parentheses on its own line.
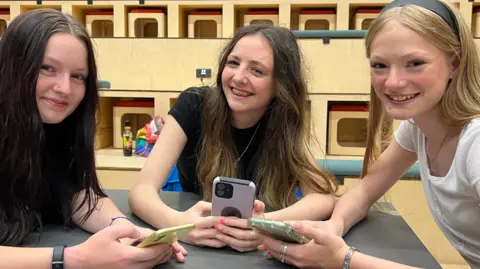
(350,209)
(363,261)
(100,218)
(146,204)
(25,258)
(313,206)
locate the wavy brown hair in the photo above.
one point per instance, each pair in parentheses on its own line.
(285,160)
(461,100)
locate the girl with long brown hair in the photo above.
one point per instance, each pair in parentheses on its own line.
(250,125)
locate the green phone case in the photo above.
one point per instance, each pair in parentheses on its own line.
(278,230)
(165,236)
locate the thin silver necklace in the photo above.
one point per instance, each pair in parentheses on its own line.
(431,163)
(245,150)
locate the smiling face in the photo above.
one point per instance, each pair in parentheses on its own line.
(61,80)
(247,79)
(408,73)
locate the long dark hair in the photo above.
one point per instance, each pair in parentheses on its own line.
(285,160)
(39,161)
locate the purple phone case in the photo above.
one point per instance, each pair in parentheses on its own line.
(241,202)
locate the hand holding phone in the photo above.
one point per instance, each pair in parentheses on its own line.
(232,197)
(164,236)
(278,230)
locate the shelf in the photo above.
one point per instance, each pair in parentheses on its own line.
(313,17)
(228,23)
(361,16)
(115,111)
(347,128)
(147,22)
(117,107)
(252,14)
(200,21)
(110,158)
(97,19)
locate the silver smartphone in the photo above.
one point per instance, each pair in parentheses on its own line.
(232,197)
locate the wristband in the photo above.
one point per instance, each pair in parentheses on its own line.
(120,217)
(57,258)
(348,257)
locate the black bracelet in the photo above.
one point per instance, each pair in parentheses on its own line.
(57,258)
(120,217)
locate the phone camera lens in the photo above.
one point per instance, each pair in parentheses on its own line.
(224,190)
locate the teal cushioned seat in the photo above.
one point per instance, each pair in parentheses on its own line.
(104,84)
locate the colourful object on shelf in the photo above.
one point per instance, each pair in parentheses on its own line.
(127,139)
(4,12)
(147,136)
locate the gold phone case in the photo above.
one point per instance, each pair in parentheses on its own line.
(278,230)
(165,236)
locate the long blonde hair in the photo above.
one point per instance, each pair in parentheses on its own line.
(461,100)
(285,159)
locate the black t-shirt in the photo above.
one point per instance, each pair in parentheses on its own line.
(60,181)
(187,111)
(58,184)
(53,201)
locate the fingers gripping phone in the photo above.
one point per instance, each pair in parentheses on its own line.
(164,236)
(278,230)
(232,197)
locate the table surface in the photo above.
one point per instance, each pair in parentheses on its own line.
(381,234)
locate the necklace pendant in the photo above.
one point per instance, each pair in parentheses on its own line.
(433,169)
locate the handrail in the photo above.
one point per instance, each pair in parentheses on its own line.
(353,168)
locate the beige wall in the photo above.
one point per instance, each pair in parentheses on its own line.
(170,64)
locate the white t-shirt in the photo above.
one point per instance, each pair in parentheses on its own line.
(454,200)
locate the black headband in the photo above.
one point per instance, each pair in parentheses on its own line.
(435,6)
